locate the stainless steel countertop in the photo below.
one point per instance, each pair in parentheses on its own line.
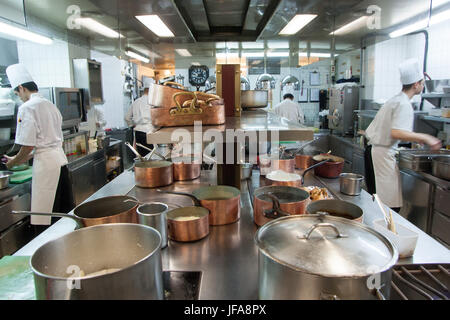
(228,257)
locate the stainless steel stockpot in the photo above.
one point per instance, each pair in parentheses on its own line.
(105,262)
(153,214)
(316,257)
(351,183)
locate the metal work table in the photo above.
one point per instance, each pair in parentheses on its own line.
(228,257)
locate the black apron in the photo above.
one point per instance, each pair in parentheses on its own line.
(368,166)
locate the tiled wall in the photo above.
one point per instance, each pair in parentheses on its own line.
(380,70)
(49,65)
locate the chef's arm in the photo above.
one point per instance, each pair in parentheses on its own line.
(129,117)
(433,142)
(22,156)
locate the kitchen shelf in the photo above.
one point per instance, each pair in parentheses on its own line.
(439,100)
(6,142)
(7,117)
(435,95)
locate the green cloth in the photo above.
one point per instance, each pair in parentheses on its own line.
(21,176)
(16,279)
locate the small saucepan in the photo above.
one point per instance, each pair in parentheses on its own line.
(280,178)
(332,169)
(274,201)
(223,203)
(337,208)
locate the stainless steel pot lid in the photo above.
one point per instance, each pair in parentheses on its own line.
(335,247)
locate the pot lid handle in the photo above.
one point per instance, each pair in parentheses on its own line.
(322,225)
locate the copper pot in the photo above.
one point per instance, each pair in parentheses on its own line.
(303,161)
(332,169)
(338,208)
(186,168)
(287,165)
(114,209)
(150,174)
(162,95)
(272,201)
(189,230)
(223,202)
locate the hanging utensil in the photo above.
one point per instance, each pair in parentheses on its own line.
(152,151)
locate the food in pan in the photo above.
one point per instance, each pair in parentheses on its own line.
(323,157)
(98,273)
(280,175)
(317,193)
(187,218)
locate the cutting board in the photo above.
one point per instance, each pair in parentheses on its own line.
(16,279)
(21,176)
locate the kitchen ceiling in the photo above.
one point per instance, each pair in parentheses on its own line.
(199,24)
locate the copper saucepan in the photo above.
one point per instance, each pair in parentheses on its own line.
(330,170)
(114,209)
(297,180)
(151,174)
(188,223)
(338,208)
(186,167)
(223,203)
(272,201)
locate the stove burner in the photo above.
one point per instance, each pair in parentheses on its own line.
(419,282)
(181,285)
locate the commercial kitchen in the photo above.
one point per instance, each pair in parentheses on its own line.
(227,197)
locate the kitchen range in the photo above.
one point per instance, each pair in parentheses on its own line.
(225,150)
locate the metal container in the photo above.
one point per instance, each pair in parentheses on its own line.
(128,255)
(190,230)
(436,85)
(246,171)
(337,208)
(272,200)
(254,98)
(351,183)
(150,174)
(418,160)
(441,167)
(323,257)
(153,214)
(4,179)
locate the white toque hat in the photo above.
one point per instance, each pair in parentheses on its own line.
(17,75)
(410,71)
(148,82)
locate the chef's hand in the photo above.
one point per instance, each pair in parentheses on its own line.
(7,161)
(434,143)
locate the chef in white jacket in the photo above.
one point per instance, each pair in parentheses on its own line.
(39,130)
(290,110)
(138,116)
(393,123)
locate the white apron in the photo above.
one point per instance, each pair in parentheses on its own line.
(47,165)
(387,176)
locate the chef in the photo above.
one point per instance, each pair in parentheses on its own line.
(39,130)
(393,123)
(290,110)
(138,116)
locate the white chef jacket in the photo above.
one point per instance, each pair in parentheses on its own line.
(290,110)
(39,125)
(139,115)
(396,113)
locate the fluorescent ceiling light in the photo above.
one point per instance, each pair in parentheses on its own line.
(320,45)
(196,63)
(297,23)
(96,26)
(350,27)
(278,44)
(155,24)
(421,24)
(253,45)
(183,52)
(315,54)
(23,34)
(253,54)
(229,45)
(137,56)
(278,54)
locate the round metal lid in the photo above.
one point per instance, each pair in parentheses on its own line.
(335,247)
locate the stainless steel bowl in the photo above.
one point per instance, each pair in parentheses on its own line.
(351,183)
(4,179)
(440,167)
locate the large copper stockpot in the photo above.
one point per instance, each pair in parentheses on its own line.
(114,209)
(151,174)
(223,203)
(272,201)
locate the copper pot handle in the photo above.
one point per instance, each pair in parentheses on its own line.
(174,84)
(322,225)
(179,110)
(194,198)
(312,167)
(52,214)
(276,210)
